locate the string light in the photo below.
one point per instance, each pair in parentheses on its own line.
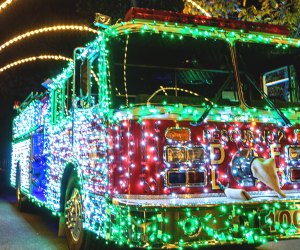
(35,58)
(28,34)
(199,7)
(5,4)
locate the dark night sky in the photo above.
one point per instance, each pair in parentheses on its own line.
(17,83)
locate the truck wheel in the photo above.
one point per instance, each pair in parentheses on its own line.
(75,234)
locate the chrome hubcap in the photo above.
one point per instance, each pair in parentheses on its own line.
(74,214)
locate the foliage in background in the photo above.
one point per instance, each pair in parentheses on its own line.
(283,12)
(118,8)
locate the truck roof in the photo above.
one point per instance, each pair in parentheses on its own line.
(174,23)
(176,17)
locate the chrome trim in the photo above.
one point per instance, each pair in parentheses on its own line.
(207,202)
(266,193)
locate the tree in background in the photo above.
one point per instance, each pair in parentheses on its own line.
(282,12)
(117,9)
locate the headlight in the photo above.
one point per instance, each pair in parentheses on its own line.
(175,154)
(195,154)
(293,152)
(184,154)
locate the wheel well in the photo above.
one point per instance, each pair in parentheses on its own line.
(69,170)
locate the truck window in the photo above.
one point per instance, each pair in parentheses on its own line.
(271,67)
(87,85)
(174,70)
(61,101)
(280,84)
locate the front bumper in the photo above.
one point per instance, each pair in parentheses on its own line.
(191,221)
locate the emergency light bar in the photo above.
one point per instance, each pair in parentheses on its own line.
(169,16)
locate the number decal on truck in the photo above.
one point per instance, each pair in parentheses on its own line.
(283,217)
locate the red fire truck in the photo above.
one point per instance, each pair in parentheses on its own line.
(168,130)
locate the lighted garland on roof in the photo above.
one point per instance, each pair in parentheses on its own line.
(79,28)
(178,31)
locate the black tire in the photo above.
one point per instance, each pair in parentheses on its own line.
(76,236)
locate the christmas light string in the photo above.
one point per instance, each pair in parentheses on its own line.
(57,28)
(5,4)
(35,58)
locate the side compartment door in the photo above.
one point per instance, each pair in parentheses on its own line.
(38,167)
(21,165)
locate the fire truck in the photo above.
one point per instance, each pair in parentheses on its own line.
(169,130)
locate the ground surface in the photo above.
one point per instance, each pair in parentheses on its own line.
(37,229)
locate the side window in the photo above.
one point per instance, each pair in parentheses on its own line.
(86,79)
(61,101)
(280,85)
(95,81)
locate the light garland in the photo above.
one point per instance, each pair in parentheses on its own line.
(35,58)
(179,31)
(56,28)
(5,4)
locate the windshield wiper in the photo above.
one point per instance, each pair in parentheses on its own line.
(286,121)
(211,103)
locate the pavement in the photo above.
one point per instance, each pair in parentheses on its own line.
(32,230)
(37,229)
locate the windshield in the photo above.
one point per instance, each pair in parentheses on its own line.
(274,69)
(165,68)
